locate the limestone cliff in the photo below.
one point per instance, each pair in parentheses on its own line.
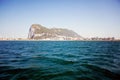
(38,31)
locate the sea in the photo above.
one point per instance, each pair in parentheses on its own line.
(59,60)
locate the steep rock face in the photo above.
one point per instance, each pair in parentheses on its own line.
(38,31)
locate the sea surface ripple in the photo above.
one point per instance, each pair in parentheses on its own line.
(59,60)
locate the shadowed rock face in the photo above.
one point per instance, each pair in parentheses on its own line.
(38,31)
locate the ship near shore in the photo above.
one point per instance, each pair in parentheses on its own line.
(39,32)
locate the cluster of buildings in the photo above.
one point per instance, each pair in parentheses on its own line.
(101,39)
(109,38)
(59,38)
(12,39)
(66,38)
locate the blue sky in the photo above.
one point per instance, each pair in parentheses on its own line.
(89,18)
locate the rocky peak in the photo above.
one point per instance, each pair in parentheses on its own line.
(38,31)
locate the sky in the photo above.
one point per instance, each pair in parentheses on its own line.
(88,18)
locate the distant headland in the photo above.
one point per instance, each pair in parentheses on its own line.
(38,32)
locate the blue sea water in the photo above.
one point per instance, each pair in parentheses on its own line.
(59,60)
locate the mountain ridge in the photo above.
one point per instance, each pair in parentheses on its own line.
(38,31)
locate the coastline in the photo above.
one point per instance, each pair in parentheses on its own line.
(61,40)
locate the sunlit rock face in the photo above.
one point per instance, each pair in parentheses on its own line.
(40,32)
(31,33)
(33,30)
